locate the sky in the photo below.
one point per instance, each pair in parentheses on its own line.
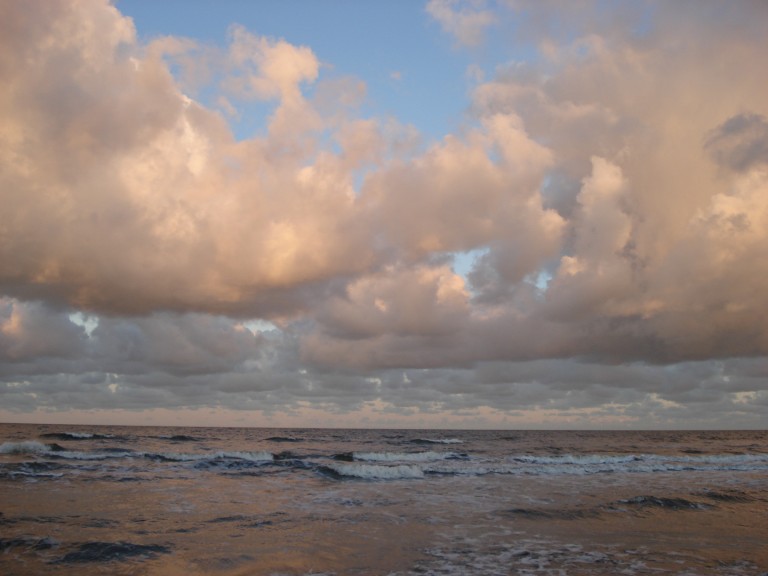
(442,214)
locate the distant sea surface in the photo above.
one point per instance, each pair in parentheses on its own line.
(90,500)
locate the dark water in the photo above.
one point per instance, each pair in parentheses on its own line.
(120,500)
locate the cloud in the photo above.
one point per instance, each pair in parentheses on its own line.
(466,21)
(657,237)
(469,191)
(29,332)
(740,143)
(123,195)
(613,188)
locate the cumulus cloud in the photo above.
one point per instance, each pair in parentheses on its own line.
(614,190)
(123,195)
(657,235)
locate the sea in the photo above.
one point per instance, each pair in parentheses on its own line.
(85,500)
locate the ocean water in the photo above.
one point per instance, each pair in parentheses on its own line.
(228,501)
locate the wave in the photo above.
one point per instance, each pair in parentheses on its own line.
(282,439)
(179,438)
(25,447)
(632,463)
(589,464)
(112,551)
(77,455)
(663,502)
(374,471)
(436,441)
(249,463)
(27,543)
(35,448)
(249,456)
(406,456)
(550,514)
(31,470)
(734,496)
(175,456)
(586,459)
(190,457)
(635,503)
(77,436)
(404,462)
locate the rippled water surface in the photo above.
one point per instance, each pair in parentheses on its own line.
(119,500)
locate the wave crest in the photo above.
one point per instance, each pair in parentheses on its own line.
(376,471)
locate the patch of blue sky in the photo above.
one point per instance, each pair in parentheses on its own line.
(87,322)
(411,69)
(463,262)
(541,279)
(259,326)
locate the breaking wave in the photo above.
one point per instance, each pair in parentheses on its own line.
(77,436)
(437,441)
(374,471)
(406,456)
(26,447)
(282,439)
(179,438)
(187,457)
(595,463)
(35,448)
(404,463)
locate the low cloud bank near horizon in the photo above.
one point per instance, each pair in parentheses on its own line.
(613,192)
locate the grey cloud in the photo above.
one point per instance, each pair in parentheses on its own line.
(32,332)
(740,143)
(187,343)
(273,379)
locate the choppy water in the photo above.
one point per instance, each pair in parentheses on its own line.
(120,500)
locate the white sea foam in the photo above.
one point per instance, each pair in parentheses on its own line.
(34,475)
(587,459)
(77,435)
(26,447)
(377,471)
(33,447)
(404,456)
(250,456)
(84,435)
(77,455)
(180,456)
(647,463)
(439,440)
(589,464)
(194,457)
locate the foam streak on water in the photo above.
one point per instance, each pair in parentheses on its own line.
(93,500)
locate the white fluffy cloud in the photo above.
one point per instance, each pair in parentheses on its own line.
(123,195)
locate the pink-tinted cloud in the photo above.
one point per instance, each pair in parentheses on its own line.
(614,190)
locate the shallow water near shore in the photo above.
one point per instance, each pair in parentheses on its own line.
(138,500)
